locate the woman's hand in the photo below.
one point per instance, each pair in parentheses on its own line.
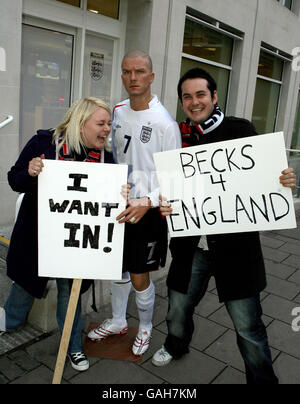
(35,166)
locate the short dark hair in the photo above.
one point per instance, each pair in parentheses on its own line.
(139,54)
(197,73)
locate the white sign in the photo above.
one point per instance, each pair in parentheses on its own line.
(227,187)
(78,235)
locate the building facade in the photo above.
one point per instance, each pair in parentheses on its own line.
(53,52)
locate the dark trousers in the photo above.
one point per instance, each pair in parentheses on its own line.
(246,315)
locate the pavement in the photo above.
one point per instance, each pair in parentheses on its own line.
(214,357)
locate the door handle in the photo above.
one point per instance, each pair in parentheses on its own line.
(6,121)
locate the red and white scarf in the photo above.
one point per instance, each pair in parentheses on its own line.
(190,132)
(88,155)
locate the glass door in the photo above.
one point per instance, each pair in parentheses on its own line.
(45,79)
(98,62)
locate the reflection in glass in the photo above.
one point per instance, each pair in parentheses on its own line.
(294,157)
(296,132)
(109,8)
(206,43)
(270,66)
(288,4)
(98,58)
(45,79)
(75,3)
(221,77)
(265,106)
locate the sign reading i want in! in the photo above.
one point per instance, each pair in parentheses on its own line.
(227,187)
(79,237)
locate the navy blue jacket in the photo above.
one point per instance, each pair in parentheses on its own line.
(22,257)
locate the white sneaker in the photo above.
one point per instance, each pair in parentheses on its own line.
(142,342)
(106,329)
(79,361)
(161,357)
(2,320)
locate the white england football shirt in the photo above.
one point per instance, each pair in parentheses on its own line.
(136,135)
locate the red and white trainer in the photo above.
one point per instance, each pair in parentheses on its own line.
(106,329)
(142,342)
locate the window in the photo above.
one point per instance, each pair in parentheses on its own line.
(294,152)
(205,43)
(296,133)
(267,92)
(110,8)
(75,3)
(286,3)
(210,50)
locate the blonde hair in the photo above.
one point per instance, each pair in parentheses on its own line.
(74,120)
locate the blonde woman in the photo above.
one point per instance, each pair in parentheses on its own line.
(82,136)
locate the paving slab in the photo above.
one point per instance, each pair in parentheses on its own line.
(106,371)
(293,260)
(192,368)
(290,248)
(273,254)
(288,369)
(205,333)
(278,308)
(208,305)
(279,270)
(283,338)
(41,375)
(225,349)
(287,239)
(283,288)
(10,369)
(10,341)
(230,376)
(270,241)
(293,233)
(295,277)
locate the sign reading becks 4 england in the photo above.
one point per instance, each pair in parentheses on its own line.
(78,235)
(227,187)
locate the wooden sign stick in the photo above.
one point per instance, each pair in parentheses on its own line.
(65,338)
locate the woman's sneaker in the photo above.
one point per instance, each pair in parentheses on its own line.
(142,342)
(106,329)
(161,357)
(79,361)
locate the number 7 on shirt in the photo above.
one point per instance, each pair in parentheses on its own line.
(127,144)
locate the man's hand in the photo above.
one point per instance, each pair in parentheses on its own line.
(164,206)
(288,178)
(135,211)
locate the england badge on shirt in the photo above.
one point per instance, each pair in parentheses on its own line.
(145,134)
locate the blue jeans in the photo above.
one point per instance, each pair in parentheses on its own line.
(19,303)
(245,313)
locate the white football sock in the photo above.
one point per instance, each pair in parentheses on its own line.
(145,304)
(119,298)
(2,320)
